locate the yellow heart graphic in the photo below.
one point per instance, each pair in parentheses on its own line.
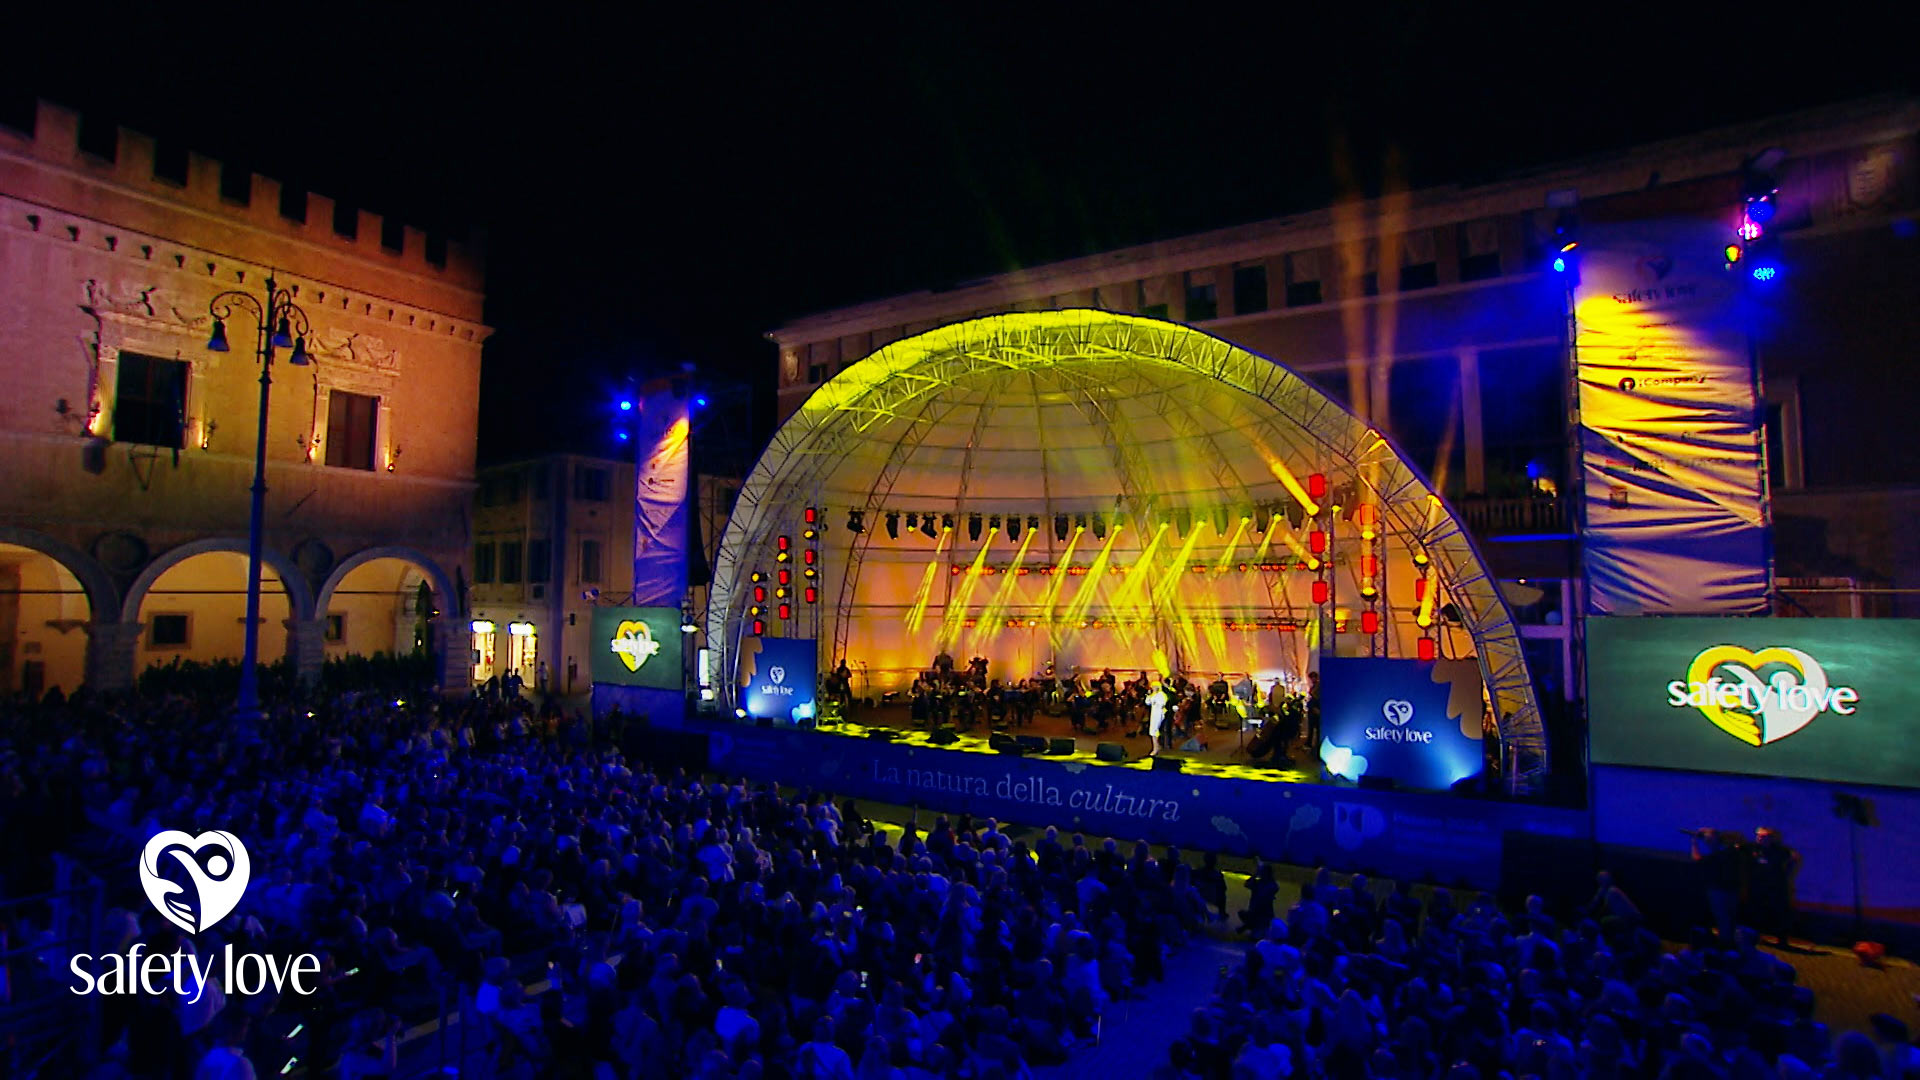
(1740,725)
(633,643)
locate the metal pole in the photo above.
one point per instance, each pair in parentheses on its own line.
(249,704)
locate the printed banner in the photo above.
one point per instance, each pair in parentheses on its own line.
(1814,699)
(1670,439)
(637,646)
(1385,832)
(777,677)
(1415,722)
(660,502)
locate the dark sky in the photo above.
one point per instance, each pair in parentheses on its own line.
(657,192)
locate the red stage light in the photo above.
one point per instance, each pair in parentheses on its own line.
(785,542)
(810,556)
(1317,486)
(813,595)
(1369,622)
(786,576)
(759,628)
(759,594)
(1419,589)
(786,611)
(1428,650)
(1369,566)
(1322,592)
(1317,541)
(813,515)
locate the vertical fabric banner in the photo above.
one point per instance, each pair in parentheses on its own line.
(660,503)
(1670,428)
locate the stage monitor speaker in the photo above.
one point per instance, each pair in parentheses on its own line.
(764,721)
(1060,746)
(1376,783)
(883,734)
(1005,744)
(1168,764)
(1032,744)
(1110,751)
(945,736)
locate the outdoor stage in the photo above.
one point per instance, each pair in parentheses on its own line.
(1448,838)
(1224,753)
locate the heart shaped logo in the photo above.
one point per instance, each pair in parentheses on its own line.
(633,643)
(1397,712)
(1768,710)
(215,863)
(778,674)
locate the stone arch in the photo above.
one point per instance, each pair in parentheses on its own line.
(299,591)
(103,598)
(437,577)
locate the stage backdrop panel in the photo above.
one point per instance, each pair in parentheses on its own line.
(1815,699)
(660,501)
(1415,722)
(1400,834)
(637,646)
(777,677)
(1670,439)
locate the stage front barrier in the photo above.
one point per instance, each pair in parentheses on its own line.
(1449,838)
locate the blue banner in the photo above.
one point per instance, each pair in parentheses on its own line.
(777,677)
(1384,832)
(1415,722)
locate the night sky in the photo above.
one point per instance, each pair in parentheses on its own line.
(655,192)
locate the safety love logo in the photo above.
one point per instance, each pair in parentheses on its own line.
(193,882)
(633,643)
(1759,697)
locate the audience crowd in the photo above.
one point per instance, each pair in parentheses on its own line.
(597,916)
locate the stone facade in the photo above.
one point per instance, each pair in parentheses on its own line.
(130,446)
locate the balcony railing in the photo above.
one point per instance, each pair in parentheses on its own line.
(1525,516)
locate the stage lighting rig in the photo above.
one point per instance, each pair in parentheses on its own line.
(893,525)
(856,521)
(1013,527)
(973,527)
(1059,526)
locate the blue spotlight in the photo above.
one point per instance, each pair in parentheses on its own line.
(1559,264)
(623,436)
(700,402)
(626,404)
(1765,272)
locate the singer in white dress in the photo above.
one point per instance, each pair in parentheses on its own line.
(1156,716)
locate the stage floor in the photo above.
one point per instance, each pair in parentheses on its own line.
(1225,755)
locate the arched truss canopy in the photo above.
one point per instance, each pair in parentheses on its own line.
(1043,413)
(299,591)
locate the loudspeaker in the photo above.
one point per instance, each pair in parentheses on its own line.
(1060,746)
(1376,783)
(764,721)
(1032,744)
(1005,744)
(1168,764)
(945,736)
(883,734)
(1110,751)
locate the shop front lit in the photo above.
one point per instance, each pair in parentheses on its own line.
(523,651)
(483,637)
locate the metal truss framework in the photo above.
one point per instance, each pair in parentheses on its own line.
(907,390)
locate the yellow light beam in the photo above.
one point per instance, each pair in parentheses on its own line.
(956,613)
(919,610)
(1089,588)
(1293,486)
(991,615)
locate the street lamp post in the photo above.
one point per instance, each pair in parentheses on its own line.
(279,323)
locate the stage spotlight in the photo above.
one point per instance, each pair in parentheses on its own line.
(993,523)
(893,525)
(856,521)
(1183,522)
(1013,527)
(1079,523)
(1059,526)
(1220,522)
(946,522)
(926,525)
(973,527)
(913,522)
(1451,613)
(1099,527)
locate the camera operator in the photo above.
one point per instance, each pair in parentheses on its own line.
(1718,851)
